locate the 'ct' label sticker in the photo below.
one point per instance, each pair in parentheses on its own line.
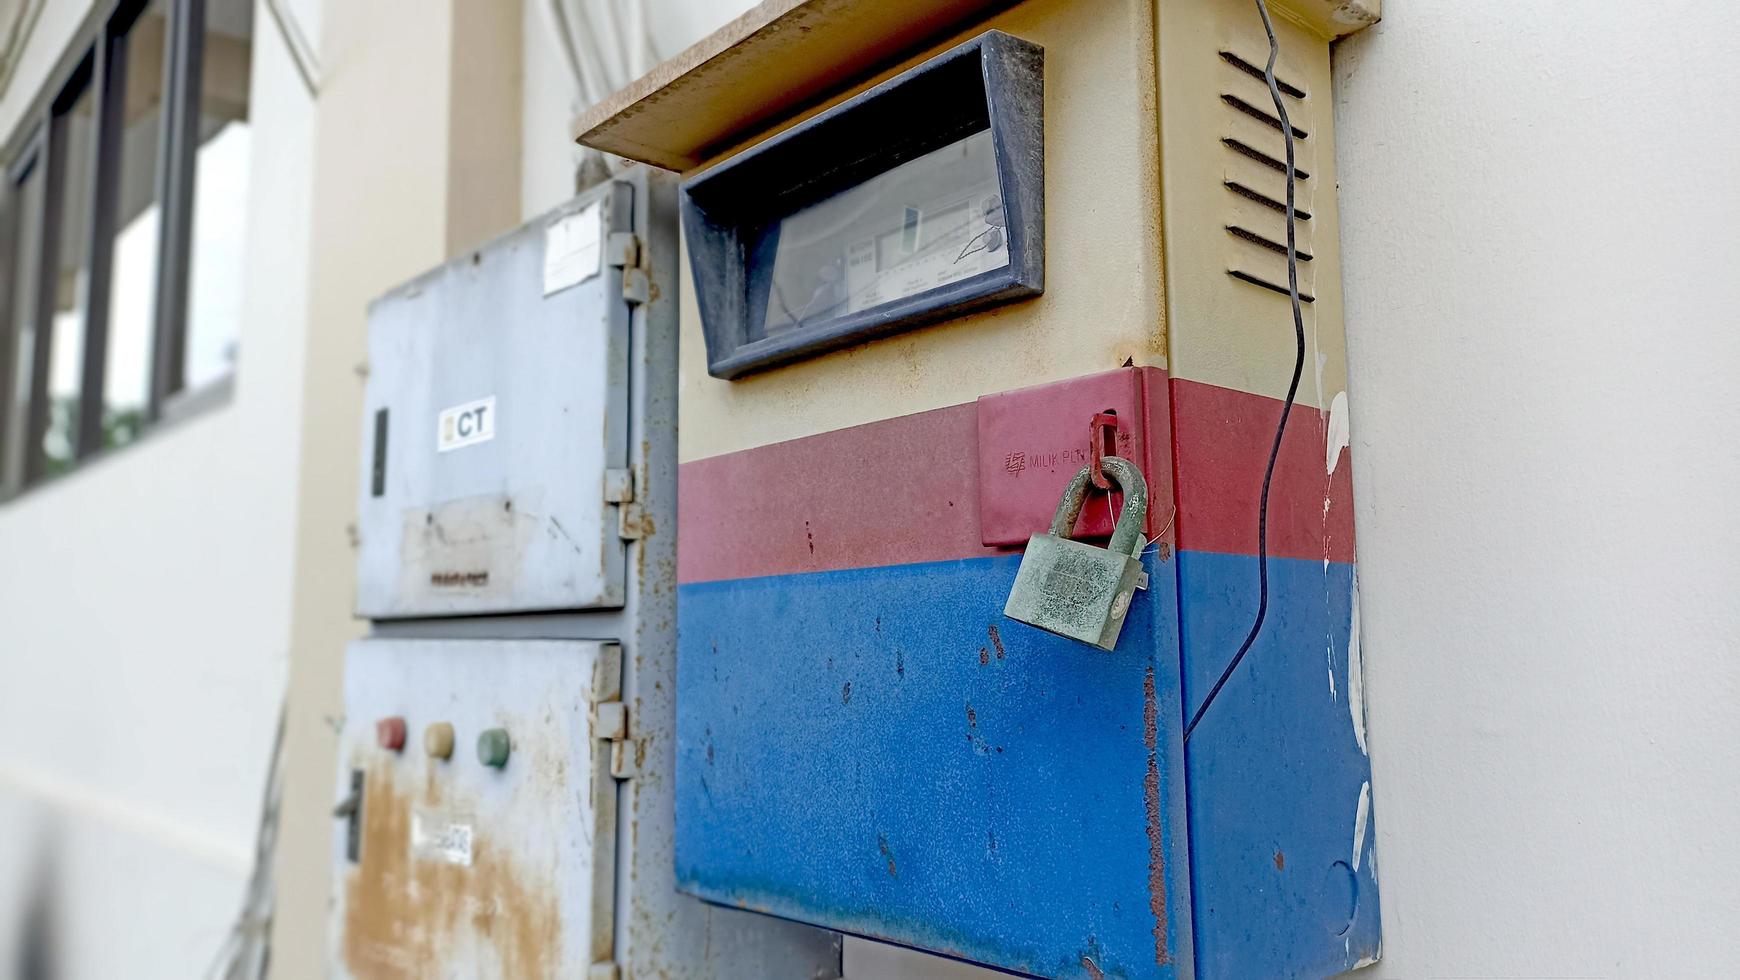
(466,425)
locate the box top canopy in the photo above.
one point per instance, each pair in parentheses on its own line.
(783,56)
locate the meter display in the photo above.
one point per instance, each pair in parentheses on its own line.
(919,200)
(929,222)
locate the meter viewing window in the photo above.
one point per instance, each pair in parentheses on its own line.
(916,201)
(929,222)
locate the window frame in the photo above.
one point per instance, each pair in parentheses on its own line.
(98,57)
(27,160)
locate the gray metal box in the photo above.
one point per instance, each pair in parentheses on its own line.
(497,409)
(451,867)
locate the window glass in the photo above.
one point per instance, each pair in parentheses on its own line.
(71,282)
(929,222)
(133,273)
(27,229)
(220,197)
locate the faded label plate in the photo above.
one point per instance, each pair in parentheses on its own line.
(573,249)
(441,837)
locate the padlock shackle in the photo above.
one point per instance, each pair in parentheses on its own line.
(1129,479)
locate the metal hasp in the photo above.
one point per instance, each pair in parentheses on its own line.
(1075,589)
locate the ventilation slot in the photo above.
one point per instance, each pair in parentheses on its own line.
(1266,201)
(1273,246)
(1256,72)
(1266,116)
(1273,163)
(1304,297)
(1254,169)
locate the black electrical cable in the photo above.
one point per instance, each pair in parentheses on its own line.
(1292,387)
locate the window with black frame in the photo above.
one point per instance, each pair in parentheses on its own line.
(123,216)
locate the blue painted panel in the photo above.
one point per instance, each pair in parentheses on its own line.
(1276,773)
(880,751)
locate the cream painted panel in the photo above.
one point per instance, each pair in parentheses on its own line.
(1102,303)
(1224,331)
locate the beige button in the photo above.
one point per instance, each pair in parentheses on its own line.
(438,740)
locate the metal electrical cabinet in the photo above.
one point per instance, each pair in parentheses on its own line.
(504,787)
(945,257)
(506,864)
(497,425)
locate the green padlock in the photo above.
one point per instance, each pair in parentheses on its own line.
(1075,589)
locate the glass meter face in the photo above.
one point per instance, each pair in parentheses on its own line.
(934,220)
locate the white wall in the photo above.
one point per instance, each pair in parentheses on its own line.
(146,608)
(1539,207)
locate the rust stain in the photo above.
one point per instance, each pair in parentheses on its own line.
(1151,799)
(1280,861)
(405,916)
(984,656)
(997,641)
(1094,971)
(882,845)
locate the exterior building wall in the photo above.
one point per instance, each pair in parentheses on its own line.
(1538,216)
(145,599)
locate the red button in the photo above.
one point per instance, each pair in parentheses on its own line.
(390,733)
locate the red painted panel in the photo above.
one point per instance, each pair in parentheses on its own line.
(1032,441)
(907,489)
(1221,441)
(886,493)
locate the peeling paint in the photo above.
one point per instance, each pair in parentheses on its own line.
(1338,433)
(406,916)
(1356,672)
(1360,819)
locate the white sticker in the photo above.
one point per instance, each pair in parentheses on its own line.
(574,248)
(466,425)
(439,838)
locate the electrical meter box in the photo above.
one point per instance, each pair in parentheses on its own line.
(497,424)
(943,259)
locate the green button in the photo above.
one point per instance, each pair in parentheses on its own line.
(493,747)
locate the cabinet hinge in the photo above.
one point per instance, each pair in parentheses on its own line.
(636,287)
(630,521)
(619,486)
(610,723)
(622,249)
